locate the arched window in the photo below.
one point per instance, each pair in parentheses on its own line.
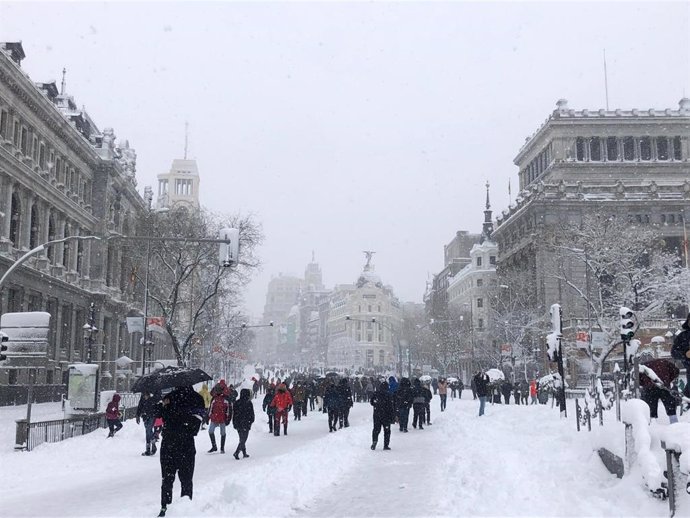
(51,237)
(33,234)
(67,248)
(15,220)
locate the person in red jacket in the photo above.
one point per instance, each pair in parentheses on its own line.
(219,416)
(112,415)
(282,402)
(656,385)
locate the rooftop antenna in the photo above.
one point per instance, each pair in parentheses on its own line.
(606,82)
(64,84)
(186,138)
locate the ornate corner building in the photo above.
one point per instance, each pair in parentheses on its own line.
(61,176)
(634,163)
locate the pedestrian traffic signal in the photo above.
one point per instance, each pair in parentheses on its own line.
(627,323)
(3,338)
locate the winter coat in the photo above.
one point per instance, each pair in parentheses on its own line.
(182,416)
(146,407)
(331,398)
(219,411)
(345,394)
(681,344)
(282,400)
(299,394)
(404,394)
(427,394)
(392,385)
(506,389)
(243,415)
(266,404)
(443,388)
(664,369)
(112,411)
(481,383)
(384,407)
(418,395)
(204,393)
(533,388)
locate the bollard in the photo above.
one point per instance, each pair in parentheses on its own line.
(630,454)
(673,476)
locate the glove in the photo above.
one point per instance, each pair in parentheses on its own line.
(138,420)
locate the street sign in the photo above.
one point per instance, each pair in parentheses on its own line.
(135,324)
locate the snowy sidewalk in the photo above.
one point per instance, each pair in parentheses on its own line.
(515,461)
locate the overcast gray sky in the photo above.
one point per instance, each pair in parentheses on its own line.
(350,126)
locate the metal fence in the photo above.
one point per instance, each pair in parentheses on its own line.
(30,435)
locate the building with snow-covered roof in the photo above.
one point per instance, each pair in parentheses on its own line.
(632,163)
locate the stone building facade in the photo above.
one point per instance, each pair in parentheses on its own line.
(633,163)
(61,176)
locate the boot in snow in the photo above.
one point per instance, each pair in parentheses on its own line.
(236,454)
(213,443)
(284,428)
(148,450)
(222,443)
(162,512)
(153,448)
(373,445)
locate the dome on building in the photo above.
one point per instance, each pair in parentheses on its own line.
(369,277)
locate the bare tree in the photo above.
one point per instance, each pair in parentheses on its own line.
(187,285)
(624,265)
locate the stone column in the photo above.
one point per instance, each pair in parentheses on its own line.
(60,249)
(7,190)
(27,204)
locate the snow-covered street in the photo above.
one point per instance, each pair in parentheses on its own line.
(515,461)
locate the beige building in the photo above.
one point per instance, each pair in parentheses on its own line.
(364,322)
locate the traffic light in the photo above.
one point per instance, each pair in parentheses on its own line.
(553,339)
(3,338)
(627,323)
(228,253)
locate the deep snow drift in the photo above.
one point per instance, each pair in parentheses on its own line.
(514,461)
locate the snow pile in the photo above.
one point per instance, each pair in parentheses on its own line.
(636,413)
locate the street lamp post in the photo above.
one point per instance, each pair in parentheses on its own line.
(89,329)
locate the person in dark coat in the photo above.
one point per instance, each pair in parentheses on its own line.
(146,411)
(403,400)
(481,384)
(654,390)
(384,415)
(418,404)
(473,386)
(112,415)
(331,403)
(427,402)
(182,411)
(516,392)
(242,419)
(345,396)
(681,351)
(266,405)
(506,390)
(461,387)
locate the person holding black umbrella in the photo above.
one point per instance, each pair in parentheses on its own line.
(182,411)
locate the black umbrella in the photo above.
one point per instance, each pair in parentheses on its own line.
(169,377)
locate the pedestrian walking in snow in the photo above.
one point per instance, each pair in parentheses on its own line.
(266,406)
(461,387)
(481,384)
(384,415)
(443,392)
(427,402)
(533,391)
(506,390)
(146,412)
(369,389)
(219,416)
(282,402)
(434,385)
(182,412)
(403,401)
(299,396)
(242,419)
(418,404)
(331,402)
(346,403)
(516,393)
(112,415)
(473,386)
